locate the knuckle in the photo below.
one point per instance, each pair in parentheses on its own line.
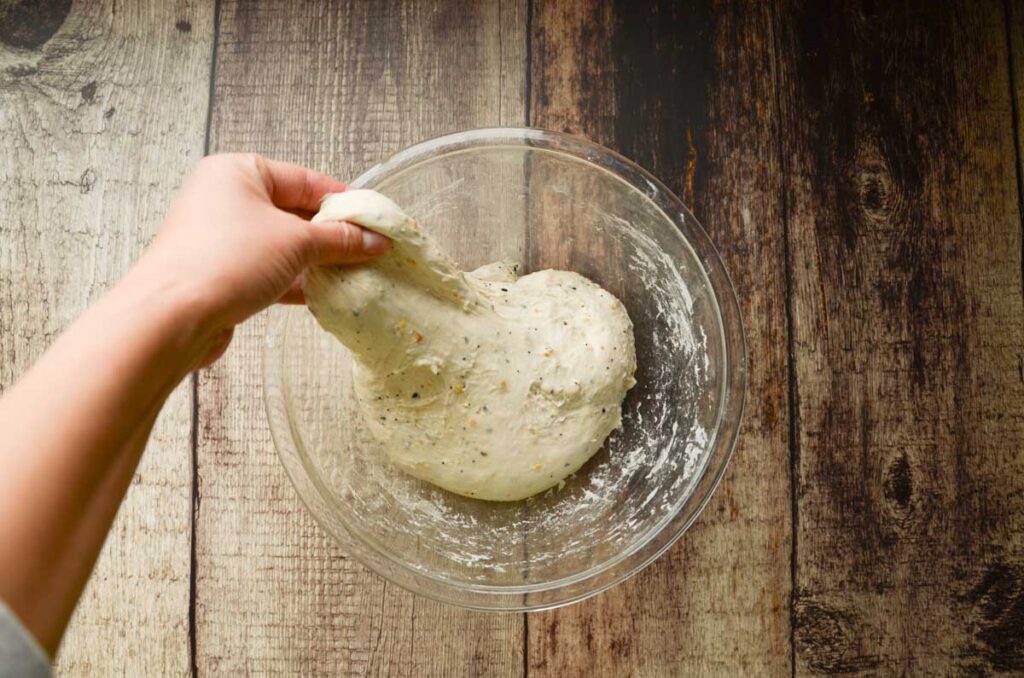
(231,159)
(208,162)
(351,238)
(309,243)
(263,169)
(336,241)
(216,163)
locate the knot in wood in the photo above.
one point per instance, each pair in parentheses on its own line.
(878,197)
(996,615)
(898,487)
(29,24)
(827,638)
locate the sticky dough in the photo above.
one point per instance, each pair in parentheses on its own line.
(484,384)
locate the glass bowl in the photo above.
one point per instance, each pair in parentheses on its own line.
(546,200)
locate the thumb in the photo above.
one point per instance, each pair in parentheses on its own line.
(340,242)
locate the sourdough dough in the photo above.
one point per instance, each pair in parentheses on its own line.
(484,384)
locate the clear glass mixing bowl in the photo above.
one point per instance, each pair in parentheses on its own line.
(548,201)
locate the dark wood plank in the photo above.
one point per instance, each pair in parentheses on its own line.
(687,90)
(338,86)
(88,165)
(1015,38)
(905,253)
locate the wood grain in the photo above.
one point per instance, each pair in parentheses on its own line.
(338,86)
(687,90)
(1015,40)
(905,253)
(855,163)
(102,112)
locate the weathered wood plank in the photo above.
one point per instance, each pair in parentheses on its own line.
(1015,37)
(688,92)
(102,112)
(908,327)
(338,86)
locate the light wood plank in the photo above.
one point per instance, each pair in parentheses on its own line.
(337,86)
(102,112)
(689,93)
(908,325)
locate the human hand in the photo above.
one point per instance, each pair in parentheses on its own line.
(234,241)
(238,237)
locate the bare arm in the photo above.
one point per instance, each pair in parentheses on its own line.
(74,426)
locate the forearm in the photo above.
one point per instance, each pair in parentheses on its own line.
(72,429)
(74,426)
(46,603)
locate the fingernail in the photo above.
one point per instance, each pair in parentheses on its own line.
(375,243)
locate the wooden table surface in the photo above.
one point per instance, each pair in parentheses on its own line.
(858,166)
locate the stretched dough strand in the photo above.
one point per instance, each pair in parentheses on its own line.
(486,384)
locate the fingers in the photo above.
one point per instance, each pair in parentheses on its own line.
(295,188)
(305,215)
(339,242)
(299,190)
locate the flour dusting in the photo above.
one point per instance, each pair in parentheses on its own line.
(612,505)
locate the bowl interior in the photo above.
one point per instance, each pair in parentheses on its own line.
(544,207)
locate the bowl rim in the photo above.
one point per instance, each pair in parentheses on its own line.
(659,538)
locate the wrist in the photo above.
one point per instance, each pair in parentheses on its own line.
(177,314)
